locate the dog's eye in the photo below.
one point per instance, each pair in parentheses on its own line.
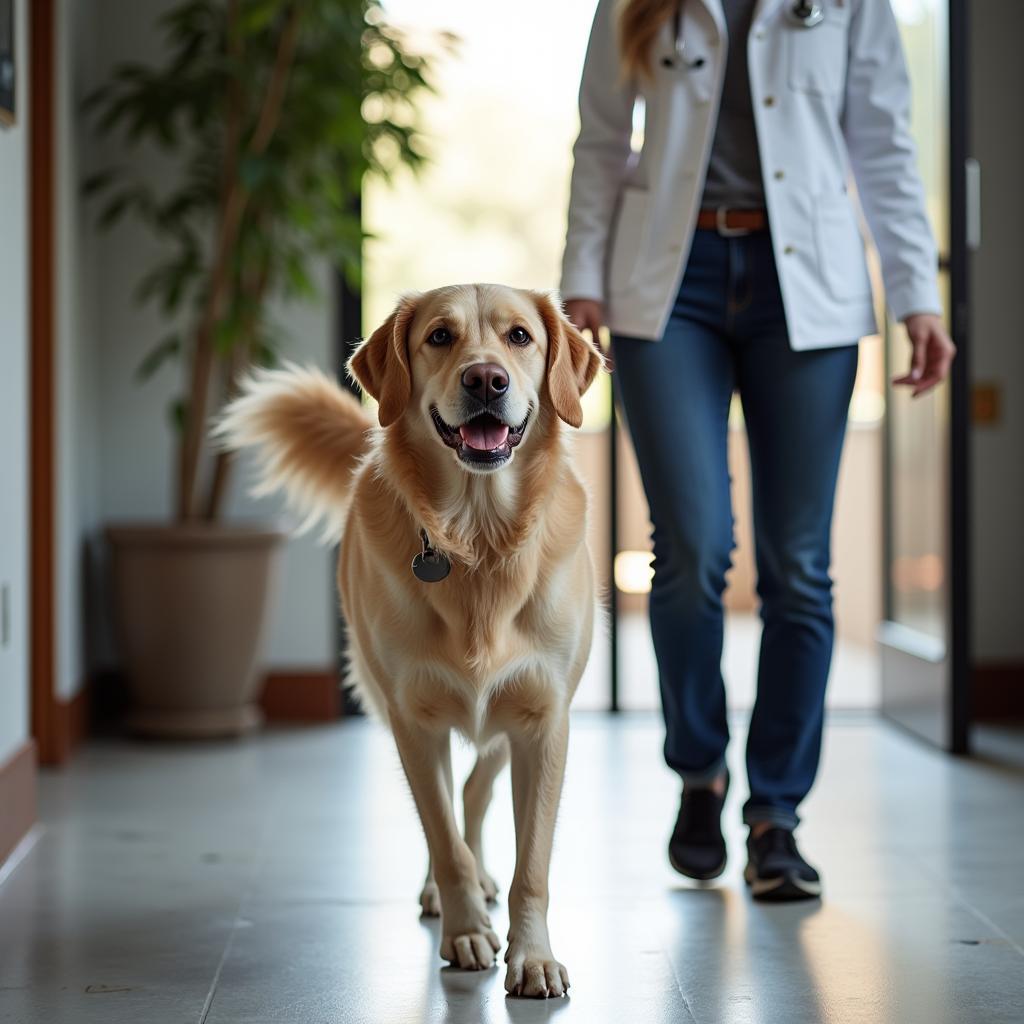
(442,336)
(518,336)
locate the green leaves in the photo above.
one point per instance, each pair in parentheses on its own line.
(176,413)
(254,171)
(170,346)
(257,15)
(348,108)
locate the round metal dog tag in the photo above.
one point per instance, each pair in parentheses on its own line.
(431,566)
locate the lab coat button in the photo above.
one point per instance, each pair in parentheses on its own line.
(789,250)
(769,101)
(779,175)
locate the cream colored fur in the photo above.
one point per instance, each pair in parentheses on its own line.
(497,649)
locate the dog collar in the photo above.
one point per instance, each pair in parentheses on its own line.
(430,565)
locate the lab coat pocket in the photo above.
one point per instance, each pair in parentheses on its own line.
(630,223)
(841,249)
(817,56)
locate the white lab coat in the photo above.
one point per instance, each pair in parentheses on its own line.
(826,100)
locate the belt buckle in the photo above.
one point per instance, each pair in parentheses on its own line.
(723,229)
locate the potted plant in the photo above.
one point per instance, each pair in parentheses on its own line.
(274,110)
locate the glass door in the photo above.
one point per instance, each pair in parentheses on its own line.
(923,635)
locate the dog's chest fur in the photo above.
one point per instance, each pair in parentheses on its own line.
(491,645)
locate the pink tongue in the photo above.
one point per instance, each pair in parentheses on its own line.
(483,433)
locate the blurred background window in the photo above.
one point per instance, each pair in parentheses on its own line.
(490,206)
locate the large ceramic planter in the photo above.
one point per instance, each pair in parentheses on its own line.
(190,609)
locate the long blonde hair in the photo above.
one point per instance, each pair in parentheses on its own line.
(640,22)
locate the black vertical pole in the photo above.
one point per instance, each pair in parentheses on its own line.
(613,538)
(348,329)
(959,479)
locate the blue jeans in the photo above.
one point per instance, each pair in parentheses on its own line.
(727,332)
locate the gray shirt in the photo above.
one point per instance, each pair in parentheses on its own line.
(734,171)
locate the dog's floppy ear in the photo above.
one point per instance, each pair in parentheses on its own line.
(573,361)
(381,363)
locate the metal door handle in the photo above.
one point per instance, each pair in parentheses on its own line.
(972,199)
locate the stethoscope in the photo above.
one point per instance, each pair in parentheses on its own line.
(805,13)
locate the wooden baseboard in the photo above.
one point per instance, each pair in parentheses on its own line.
(287,696)
(17,797)
(997,694)
(69,727)
(301,697)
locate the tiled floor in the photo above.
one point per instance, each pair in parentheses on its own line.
(276,879)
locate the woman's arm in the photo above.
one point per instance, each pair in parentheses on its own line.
(876,125)
(601,157)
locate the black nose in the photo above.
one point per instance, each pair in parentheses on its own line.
(485,381)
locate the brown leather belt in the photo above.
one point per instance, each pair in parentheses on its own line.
(732,222)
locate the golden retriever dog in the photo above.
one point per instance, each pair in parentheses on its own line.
(464,573)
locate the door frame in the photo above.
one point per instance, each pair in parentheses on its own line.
(959,738)
(922,665)
(48,717)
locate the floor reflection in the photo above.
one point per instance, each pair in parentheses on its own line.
(277,880)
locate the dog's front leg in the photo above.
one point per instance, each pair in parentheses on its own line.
(538,767)
(430,896)
(467,938)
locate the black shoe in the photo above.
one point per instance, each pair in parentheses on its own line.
(776,871)
(697,846)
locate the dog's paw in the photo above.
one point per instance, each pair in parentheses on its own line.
(430,899)
(487,884)
(472,951)
(467,938)
(535,975)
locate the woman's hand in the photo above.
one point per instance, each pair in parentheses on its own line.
(932,353)
(588,315)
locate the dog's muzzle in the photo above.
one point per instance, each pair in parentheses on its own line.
(483,439)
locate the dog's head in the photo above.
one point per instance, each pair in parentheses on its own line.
(473,364)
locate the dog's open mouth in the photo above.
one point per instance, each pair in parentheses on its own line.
(481,439)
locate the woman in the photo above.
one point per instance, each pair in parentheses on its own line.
(726,255)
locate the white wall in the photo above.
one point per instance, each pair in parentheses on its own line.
(135,439)
(77,440)
(14,346)
(997,332)
(303,628)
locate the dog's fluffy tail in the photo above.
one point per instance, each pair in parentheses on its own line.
(308,434)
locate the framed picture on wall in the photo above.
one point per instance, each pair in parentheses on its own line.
(7,74)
